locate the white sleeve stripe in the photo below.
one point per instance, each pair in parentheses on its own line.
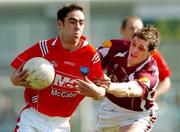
(20,59)
(43,47)
(45,43)
(96,58)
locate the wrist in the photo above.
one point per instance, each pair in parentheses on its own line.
(100,93)
(109,89)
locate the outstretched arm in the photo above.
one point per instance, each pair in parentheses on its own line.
(88,88)
(125,89)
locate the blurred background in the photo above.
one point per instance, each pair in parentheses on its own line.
(23,23)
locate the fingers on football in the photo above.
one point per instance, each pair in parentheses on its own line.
(24,83)
(22,76)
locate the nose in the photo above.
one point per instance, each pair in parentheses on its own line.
(135,49)
(77,25)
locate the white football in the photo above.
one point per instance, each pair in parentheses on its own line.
(41,72)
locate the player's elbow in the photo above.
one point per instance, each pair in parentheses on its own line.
(167,83)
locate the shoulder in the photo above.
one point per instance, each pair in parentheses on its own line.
(151,65)
(116,44)
(88,48)
(47,41)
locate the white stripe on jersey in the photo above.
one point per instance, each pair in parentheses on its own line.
(85,43)
(20,59)
(54,42)
(95,58)
(120,54)
(43,47)
(104,51)
(35,99)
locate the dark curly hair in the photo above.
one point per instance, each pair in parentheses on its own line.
(62,13)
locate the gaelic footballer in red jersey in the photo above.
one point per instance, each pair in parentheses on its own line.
(128,103)
(50,109)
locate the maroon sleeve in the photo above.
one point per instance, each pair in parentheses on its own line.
(110,47)
(147,78)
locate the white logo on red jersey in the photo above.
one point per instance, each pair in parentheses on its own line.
(69,63)
(65,80)
(64,94)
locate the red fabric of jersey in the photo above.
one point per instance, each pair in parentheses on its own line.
(61,98)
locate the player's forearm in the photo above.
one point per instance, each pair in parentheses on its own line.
(126,89)
(163,87)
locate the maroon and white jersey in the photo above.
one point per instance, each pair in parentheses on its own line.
(114,55)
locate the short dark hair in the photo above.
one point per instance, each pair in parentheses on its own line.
(128,18)
(62,13)
(150,34)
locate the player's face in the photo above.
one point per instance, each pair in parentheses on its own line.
(138,51)
(73,26)
(131,27)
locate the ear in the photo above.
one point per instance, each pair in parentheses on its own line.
(59,23)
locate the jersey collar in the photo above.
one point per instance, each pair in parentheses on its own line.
(58,42)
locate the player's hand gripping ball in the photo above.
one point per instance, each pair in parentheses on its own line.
(41,73)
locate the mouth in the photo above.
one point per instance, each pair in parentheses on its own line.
(76,35)
(133,56)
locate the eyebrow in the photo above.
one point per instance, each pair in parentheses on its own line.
(141,45)
(74,19)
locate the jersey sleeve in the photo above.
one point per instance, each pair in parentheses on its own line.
(148,79)
(31,52)
(103,51)
(110,48)
(164,70)
(96,69)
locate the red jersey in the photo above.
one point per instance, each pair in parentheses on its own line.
(163,68)
(60,99)
(114,55)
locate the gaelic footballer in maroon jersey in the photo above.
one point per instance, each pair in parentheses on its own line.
(145,74)
(134,78)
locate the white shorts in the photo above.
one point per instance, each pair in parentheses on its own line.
(33,121)
(111,115)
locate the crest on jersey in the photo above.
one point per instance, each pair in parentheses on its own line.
(84,70)
(145,80)
(107,44)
